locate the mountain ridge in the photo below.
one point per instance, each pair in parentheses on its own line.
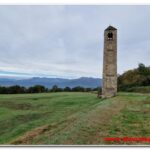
(49,82)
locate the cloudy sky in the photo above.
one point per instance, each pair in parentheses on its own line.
(67,41)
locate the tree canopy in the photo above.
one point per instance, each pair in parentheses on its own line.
(135,77)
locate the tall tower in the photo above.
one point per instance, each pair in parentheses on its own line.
(109,88)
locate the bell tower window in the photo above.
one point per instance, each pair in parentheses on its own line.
(110,36)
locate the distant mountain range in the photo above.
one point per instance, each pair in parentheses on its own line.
(49,82)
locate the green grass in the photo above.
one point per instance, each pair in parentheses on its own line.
(72,118)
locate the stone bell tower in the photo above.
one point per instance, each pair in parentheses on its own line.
(109,88)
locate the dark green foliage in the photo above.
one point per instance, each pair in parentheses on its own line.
(78,89)
(41,89)
(55,88)
(37,89)
(87,89)
(3,90)
(19,89)
(134,78)
(12,90)
(67,89)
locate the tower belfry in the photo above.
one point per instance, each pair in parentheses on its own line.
(109,88)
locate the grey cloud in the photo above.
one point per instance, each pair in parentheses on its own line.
(68,40)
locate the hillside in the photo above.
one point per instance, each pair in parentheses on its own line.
(72,118)
(49,82)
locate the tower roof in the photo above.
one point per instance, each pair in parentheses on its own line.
(110,28)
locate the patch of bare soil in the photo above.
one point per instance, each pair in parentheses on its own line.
(146,110)
(146,102)
(30,135)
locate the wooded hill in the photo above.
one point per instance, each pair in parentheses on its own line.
(135,80)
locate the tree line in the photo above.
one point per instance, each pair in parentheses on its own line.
(137,79)
(16,89)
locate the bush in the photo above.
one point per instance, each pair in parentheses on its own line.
(133,78)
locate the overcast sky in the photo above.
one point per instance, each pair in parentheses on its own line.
(67,41)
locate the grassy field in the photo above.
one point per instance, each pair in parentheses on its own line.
(73,118)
